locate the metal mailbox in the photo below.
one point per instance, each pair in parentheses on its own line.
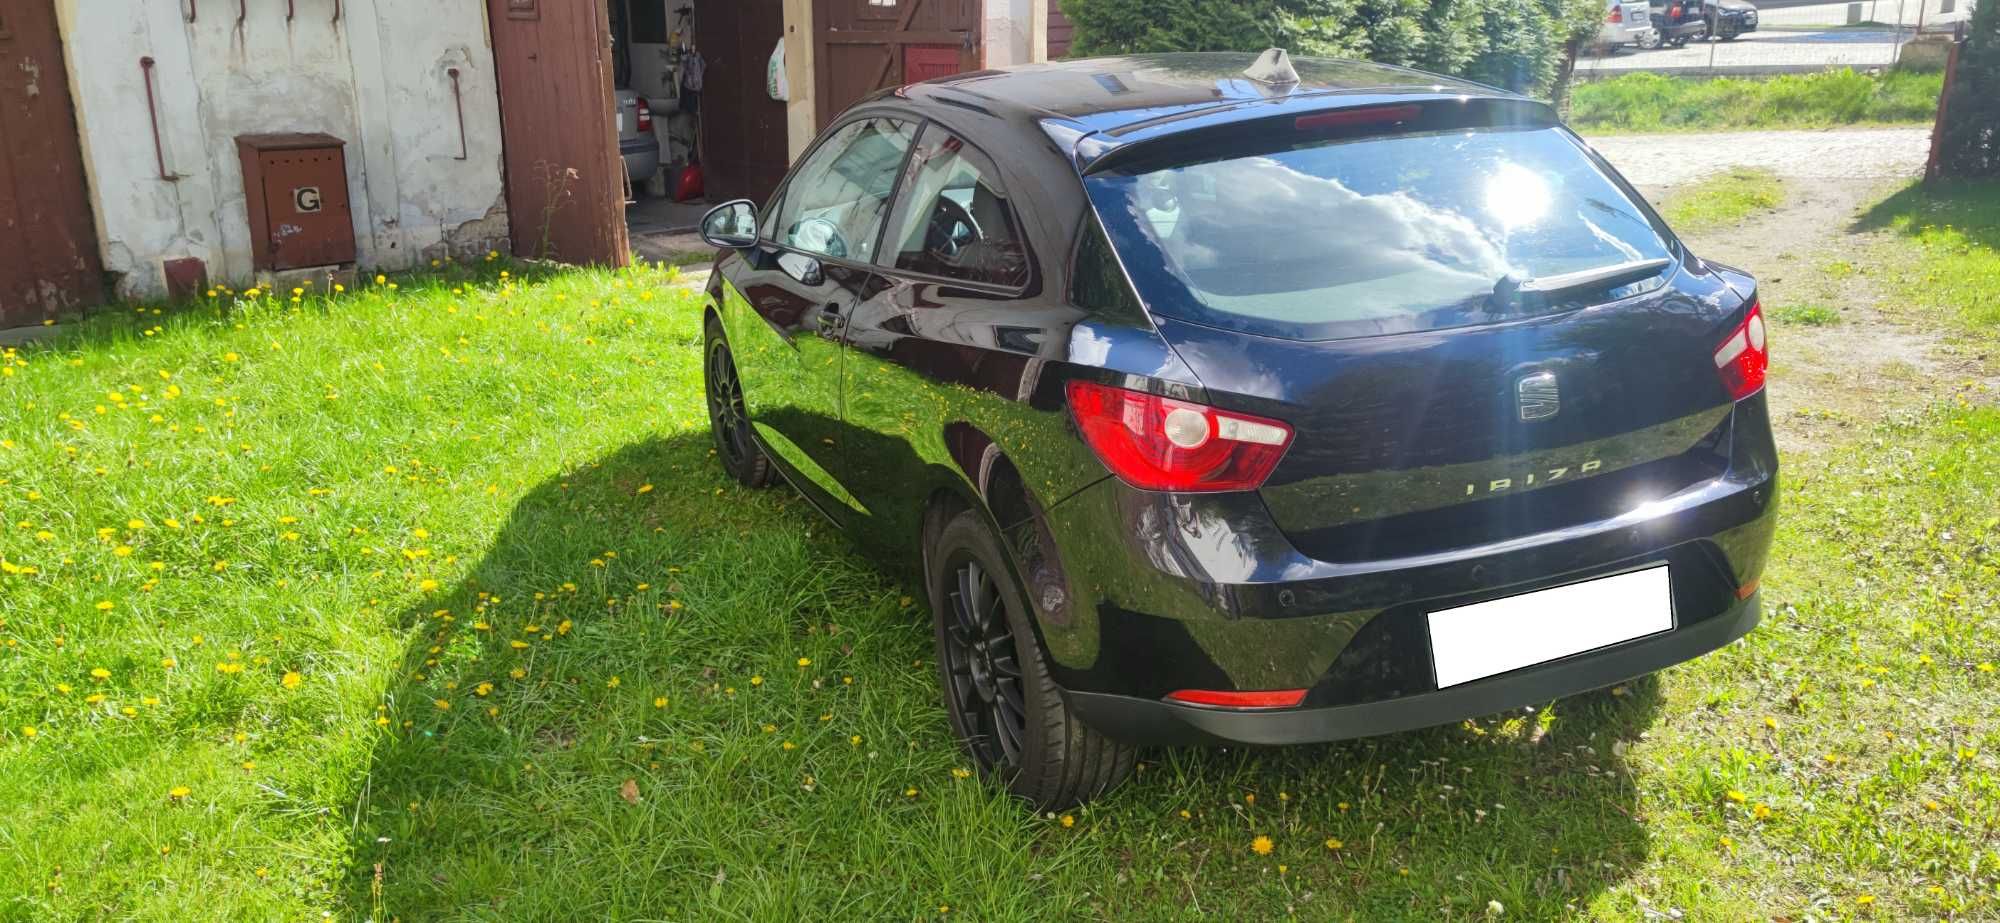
(295,187)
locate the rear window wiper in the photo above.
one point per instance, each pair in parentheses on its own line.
(1511,288)
(1605,276)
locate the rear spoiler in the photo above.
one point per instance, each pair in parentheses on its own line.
(1262,126)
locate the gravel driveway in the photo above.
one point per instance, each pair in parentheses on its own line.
(1672,159)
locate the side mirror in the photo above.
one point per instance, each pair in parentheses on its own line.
(731,225)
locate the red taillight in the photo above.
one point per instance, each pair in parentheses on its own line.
(1743,357)
(1158,443)
(1617,14)
(1260,698)
(645,120)
(1365,115)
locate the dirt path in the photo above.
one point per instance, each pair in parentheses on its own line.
(1845,153)
(1830,380)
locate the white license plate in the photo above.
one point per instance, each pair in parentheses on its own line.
(1480,640)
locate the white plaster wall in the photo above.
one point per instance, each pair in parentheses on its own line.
(1008,33)
(377,79)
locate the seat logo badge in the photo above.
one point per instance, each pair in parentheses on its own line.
(1536,396)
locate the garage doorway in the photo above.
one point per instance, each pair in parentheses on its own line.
(49,263)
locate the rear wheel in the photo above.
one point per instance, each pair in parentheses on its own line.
(1650,40)
(1005,709)
(727,420)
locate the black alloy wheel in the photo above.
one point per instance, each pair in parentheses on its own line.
(727,419)
(1005,708)
(982,671)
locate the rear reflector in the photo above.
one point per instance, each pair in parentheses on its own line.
(1366,115)
(1744,591)
(1743,356)
(1262,698)
(1158,443)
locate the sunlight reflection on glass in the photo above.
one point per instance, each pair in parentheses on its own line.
(1516,196)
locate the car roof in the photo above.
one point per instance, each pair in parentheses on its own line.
(1093,104)
(1107,94)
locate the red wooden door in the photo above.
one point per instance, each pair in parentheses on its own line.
(865,45)
(565,180)
(743,143)
(48,243)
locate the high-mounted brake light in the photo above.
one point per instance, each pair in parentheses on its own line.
(1159,443)
(1261,698)
(1365,115)
(1743,356)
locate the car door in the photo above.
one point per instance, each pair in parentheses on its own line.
(784,304)
(942,364)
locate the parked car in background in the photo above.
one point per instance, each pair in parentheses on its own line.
(1626,22)
(1728,19)
(1675,23)
(636,142)
(1214,404)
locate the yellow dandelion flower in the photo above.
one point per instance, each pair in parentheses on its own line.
(291,679)
(805,661)
(1737,796)
(660,702)
(100,673)
(442,704)
(756,680)
(1332,843)
(178,792)
(1261,845)
(104,605)
(611,683)
(645,488)
(28,730)
(1069,820)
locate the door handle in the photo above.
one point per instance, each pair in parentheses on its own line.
(830,320)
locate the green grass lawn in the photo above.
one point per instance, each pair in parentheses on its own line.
(1655,102)
(429,602)
(1724,199)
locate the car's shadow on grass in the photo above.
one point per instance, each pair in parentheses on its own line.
(661,694)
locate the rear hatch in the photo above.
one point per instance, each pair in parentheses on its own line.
(1475,332)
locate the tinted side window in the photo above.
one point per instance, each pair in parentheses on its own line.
(953,219)
(834,205)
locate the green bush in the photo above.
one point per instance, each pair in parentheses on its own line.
(1653,102)
(1517,46)
(1970,147)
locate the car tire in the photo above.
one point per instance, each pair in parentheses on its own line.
(1005,709)
(1650,41)
(728,421)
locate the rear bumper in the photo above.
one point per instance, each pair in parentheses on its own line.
(1152,721)
(642,157)
(1139,594)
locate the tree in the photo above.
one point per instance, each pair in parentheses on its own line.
(1519,46)
(1969,142)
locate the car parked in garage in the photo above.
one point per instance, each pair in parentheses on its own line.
(638,146)
(1213,400)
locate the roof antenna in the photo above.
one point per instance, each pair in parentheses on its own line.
(1274,67)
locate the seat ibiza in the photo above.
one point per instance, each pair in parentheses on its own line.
(1227,400)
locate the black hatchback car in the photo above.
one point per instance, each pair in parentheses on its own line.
(1293,404)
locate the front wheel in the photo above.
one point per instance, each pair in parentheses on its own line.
(727,420)
(1005,709)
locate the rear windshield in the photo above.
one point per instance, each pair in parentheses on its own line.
(1375,235)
